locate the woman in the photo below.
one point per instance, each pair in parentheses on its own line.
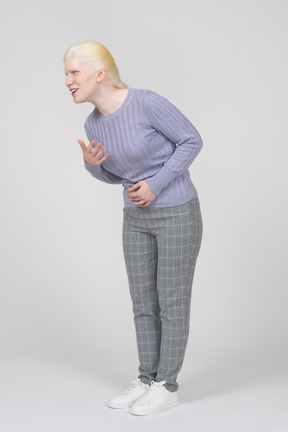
(139,139)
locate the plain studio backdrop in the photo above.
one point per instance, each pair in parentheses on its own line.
(67,331)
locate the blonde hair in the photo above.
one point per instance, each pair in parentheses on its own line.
(99,57)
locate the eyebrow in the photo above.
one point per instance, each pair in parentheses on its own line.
(71,70)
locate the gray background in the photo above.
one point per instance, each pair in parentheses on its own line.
(67,332)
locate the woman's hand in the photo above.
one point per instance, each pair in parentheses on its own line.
(93,156)
(140,194)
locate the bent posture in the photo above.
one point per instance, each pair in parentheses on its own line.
(141,140)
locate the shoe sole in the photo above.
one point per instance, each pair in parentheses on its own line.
(134,411)
(118,406)
(122,406)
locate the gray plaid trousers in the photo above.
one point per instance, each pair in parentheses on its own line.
(161,246)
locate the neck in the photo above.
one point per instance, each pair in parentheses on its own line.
(109,99)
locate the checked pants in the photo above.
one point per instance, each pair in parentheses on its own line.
(161,246)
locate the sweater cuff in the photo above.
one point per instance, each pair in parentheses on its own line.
(91,168)
(160,180)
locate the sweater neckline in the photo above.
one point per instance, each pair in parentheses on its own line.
(118,111)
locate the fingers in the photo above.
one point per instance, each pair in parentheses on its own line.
(138,200)
(90,145)
(82,145)
(97,153)
(141,203)
(135,187)
(103,159)
(135,194)
(138,203)
(93,154)
(140,194)
(97,150)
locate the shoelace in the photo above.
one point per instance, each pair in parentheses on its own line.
(134,387)
(156,389)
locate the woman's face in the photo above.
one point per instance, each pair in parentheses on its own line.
(81,80)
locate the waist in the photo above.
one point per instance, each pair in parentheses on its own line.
(178,192)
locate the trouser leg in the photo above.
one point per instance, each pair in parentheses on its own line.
(140,252)
(178,242)
(161,248)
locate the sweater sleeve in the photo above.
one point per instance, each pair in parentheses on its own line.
(169,121)
(99,172)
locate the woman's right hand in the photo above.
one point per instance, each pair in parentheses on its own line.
(93,156)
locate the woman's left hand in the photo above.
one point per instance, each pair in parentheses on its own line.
(140,194)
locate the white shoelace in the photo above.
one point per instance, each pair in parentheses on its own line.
(156,389)
(134,387)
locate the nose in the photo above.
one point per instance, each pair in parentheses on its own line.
(68,81)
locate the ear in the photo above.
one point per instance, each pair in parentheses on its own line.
(101,75)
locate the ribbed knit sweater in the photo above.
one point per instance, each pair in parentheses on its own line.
(147,138)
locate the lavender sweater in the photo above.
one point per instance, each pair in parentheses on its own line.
(146,138)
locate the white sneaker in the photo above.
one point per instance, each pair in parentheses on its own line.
(128,396)
(156,399)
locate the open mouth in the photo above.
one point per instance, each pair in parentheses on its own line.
(74,91)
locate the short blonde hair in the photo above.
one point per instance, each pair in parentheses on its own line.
(99,57)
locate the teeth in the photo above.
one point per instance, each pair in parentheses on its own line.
(73,91)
